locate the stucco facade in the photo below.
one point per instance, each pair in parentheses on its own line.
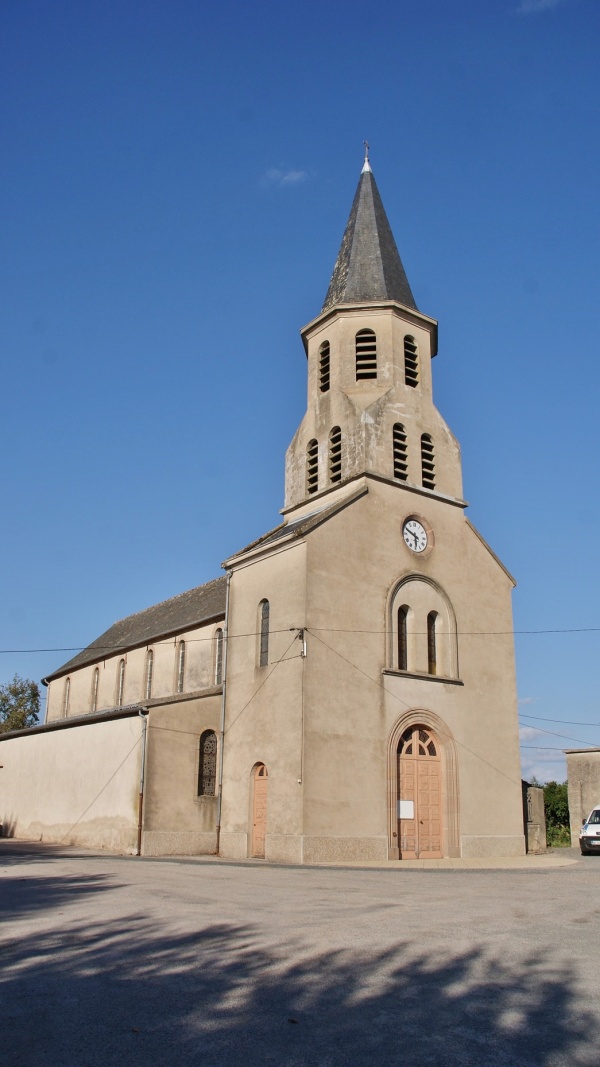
(583,776)
(348,692)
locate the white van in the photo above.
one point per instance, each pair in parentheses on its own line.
(589,835)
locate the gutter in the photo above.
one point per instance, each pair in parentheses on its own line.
(222,728)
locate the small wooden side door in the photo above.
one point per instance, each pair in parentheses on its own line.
(259,810)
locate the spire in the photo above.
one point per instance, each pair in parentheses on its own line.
(368,266)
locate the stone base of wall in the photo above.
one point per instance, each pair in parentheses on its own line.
(344,849)
(495,845)
(234,846)
(283,848)
(178,843)
(110,834)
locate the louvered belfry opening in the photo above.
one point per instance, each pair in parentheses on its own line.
(411,362)
(366,355)
(400,456)
(427,462)
(324,373)
(312,466)
(335,455)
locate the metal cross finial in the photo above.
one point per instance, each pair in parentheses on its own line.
(366,144)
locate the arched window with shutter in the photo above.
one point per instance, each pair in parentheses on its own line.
(66,697)
(95,684)
(402,638)
(324,367)
(181,667)
(400,453)
(120,682)
(366,355)
(427,462)
(149,671)
(411,362)
(207,764)
(335,455)
(218,656)
(312,467)
(431,643)
(263,652)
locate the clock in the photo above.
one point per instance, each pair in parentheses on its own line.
(415,535)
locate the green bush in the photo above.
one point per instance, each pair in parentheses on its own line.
(556,805)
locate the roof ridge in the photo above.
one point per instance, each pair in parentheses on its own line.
(168,600)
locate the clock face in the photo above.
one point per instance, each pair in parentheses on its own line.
(415,535)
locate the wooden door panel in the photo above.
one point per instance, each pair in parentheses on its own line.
(259,812)
(420,781)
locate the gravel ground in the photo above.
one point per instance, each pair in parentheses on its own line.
(114,960)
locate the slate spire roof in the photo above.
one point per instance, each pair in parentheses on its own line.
(368,266)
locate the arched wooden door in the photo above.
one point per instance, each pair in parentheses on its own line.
(419,794)
(259,810)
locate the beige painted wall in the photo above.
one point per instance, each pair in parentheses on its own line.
(583,773)
(200,649)
(75,785)
(176,820)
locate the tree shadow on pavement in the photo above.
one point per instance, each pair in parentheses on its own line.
(125,992)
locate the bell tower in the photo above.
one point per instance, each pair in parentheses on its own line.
(370,406)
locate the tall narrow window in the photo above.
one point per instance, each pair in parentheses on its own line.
(411,362)
(312,467)
(95,684)
(181,667)
(207,764)
(66,696)
(263,657)
(149,670)
(121,682)
(402,638)
(335,455)
(400,457)
(427,462)
(324,376)
(431,644)
(218,656)
(366,355)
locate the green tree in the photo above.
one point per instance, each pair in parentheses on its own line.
(19,704)
(556,805)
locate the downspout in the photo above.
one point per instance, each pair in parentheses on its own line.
(222,729)
(143,712)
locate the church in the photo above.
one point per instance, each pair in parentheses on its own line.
(332,697)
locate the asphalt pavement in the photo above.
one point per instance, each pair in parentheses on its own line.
(119,960)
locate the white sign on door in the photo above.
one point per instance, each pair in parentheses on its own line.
(406,809)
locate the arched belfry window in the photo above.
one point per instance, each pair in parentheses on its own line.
(402,638)
(263,652)
(207,764)
(427,462)
(335,455)
(411,362)
(149,671)
(181,666)
(422,631)
(120,682)
(324,367)
(431,643)
(66,697)
(312,467)
(400,456)
(366,355)
(218,656)
(95,684)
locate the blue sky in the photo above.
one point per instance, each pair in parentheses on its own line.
(176,180)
